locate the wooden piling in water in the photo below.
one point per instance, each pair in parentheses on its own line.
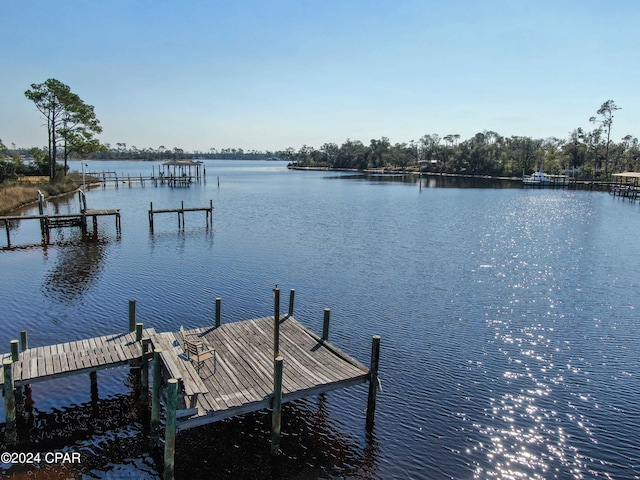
(325,324)
(276,322)
(292,294)
(373,380)
(276,416)
(14,350)
(139,327)
(218,312)
(23,341)
(144,380)
(11,434)
(43,226)
(155,398)
(6,227)
(132,315)
(170,429)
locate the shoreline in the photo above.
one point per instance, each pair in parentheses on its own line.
(16,197)
(599,184)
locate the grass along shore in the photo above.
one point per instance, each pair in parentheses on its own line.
(14,195)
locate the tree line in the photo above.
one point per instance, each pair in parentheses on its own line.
(591,153)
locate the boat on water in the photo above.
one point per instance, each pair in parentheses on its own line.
(543,179)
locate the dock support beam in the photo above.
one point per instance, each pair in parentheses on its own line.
(276,322)
(132,315)
(276,416)
(170,429)
(218,311)
(11,433)
(373,380)
(325,324)
(292,296)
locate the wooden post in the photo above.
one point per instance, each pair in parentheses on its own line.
(325,324)
(43,228)
(6,227)
(144,381)
(292,295)
(155,397)
(218,312)
(373,380)
(11,434)
(276,322)
(170,429)
(276,416)
(139,332)
(14,350)
(151,217)
(132,315)
(23,340)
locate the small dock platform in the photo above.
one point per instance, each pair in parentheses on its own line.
(240,378)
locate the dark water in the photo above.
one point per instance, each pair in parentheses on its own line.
(508,318)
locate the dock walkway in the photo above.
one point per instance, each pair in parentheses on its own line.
(71,358)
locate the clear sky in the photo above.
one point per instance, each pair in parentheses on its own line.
(267,75)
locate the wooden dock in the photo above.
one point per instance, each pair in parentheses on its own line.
(240,379)
(259,363)
(181,211)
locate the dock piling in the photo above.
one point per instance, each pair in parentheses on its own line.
(218,312)
(14,350)
(6,227)
(276,416)
(139,327)
(23,341)
(11,433)
(144,381)
(170,429)
(132,315)
(325,324)
(276,322)
(155,397)
(373,380)
(292,294)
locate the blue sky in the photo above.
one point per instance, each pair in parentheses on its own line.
(269,75)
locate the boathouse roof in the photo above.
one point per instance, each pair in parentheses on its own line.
(627,174)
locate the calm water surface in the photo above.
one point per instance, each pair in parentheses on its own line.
(508,317)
